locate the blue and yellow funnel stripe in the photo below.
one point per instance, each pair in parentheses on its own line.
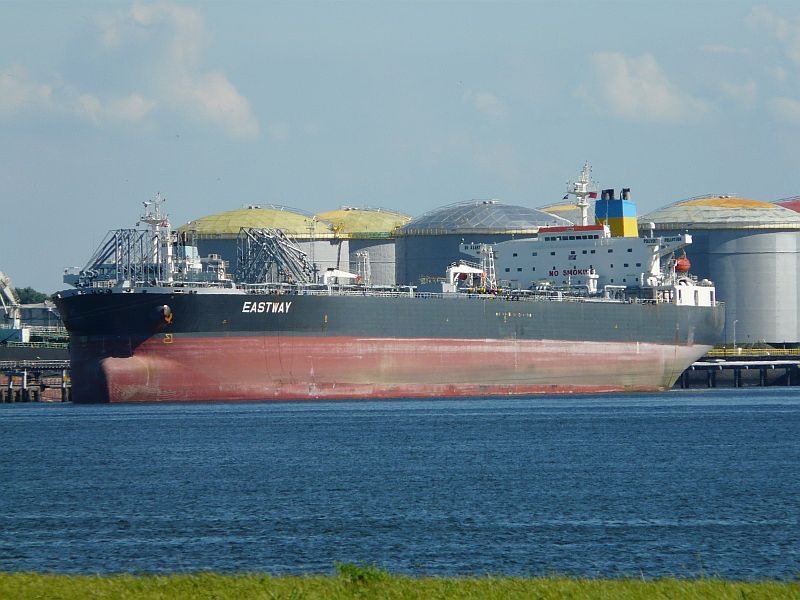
(618,213)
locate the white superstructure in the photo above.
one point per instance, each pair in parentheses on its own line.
(587,258)
(569,256)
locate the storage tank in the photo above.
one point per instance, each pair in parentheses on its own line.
(217,234)
(371,234)
(567,210)
(750,249)
(429,243)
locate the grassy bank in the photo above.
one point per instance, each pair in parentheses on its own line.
(368,582)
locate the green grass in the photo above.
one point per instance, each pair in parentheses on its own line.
(354,581)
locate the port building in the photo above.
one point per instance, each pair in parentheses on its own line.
(750,249)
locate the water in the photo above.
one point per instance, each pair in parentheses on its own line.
(685,483)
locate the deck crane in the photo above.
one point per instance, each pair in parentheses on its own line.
(10,301)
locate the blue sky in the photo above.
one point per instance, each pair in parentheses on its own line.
(403,105)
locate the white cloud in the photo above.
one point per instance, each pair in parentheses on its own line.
(212,96)
(179,81)
(487,104)
(18,92)
(785,31)
(786,109)
(176,80)
(637,89)
(130,108)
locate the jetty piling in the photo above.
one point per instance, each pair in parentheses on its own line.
(35,381)
(743,367)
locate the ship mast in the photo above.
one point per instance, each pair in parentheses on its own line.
(583,188)
(487,266)
(162,243)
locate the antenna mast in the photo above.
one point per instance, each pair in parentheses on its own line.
(583,188)
(161,237)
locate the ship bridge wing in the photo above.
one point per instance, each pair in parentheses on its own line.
(667,245)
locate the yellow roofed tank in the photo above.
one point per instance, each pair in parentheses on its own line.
(293,222)
(364,222)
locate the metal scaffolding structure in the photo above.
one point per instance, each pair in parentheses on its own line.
(270,256)
(124,255)
(364,270)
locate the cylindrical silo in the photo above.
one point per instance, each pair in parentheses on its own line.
(751,251)
(218,233)
(429,243)
(371,234)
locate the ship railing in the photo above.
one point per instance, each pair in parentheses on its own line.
(37,344)
(400,292)
(507,297)
(33,364)
(47,329)
(723,351)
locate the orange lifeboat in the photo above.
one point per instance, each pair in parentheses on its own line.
(682,264)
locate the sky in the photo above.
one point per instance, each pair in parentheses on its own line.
(407,106)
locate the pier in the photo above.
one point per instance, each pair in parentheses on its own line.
(35,381)
(743,367)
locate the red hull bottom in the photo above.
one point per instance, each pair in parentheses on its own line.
(303,368)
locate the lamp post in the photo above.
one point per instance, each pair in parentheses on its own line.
(735,321)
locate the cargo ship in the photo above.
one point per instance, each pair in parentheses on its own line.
(151,321)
